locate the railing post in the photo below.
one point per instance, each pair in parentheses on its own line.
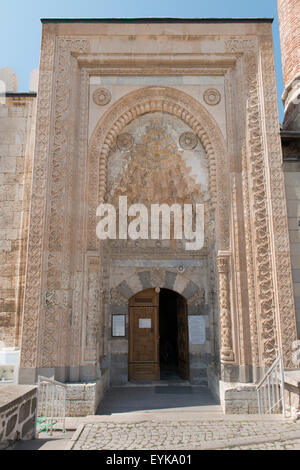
(37,408)
(282,386)
(269,393)
(259,403)
(52,408)
(266,392)
(64,409)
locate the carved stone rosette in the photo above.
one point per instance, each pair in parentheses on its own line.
(102,96)
(212,97)
(188,141)
(227,355)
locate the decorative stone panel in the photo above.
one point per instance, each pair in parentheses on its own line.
(227,355)
(17,414)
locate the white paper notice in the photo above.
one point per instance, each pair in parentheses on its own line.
(197,334)
(118,325)
(144,322)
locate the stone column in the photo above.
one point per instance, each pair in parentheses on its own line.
(92,320)
(227,355)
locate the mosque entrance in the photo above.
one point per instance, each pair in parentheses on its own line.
(158,336)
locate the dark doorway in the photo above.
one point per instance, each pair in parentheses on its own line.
(158,336)
(171,331)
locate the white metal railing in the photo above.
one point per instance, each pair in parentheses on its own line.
(270,390)
(51,406)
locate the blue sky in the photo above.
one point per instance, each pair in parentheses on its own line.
(20,27)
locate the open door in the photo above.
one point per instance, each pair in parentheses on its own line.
(144,336)
(183,340)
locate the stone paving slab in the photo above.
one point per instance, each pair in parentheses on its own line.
(58,441)
(188,435)
(153,398)
(286,445)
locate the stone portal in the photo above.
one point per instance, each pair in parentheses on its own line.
(121,114)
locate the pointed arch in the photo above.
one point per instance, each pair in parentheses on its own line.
(162,278)
(174,102)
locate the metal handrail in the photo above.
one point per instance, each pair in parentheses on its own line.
(52,381)
(51,405)
(269,371)
(270,390)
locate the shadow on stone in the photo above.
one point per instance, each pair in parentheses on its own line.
(130,399)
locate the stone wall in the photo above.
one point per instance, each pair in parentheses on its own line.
(83,398)
(17,124)
(234,398)
(289,17)
(17,414)
(292,182)
(292,393)
(289,13)
(238,398)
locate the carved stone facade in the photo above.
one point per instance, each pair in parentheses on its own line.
(120,114)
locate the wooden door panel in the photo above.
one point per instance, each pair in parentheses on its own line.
(183,349)
(144,337)
(144,330)
(145,298)
(143,371)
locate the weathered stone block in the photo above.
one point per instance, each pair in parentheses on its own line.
(16,150)
(10,426)
(8,165)
(76,392)
(28,429)
(3,111)
(33,405)
(24,412)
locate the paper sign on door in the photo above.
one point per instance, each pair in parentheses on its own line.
(144,322)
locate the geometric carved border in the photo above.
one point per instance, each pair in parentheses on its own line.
(33,299)
(284,301)
(45,328)
(275,321)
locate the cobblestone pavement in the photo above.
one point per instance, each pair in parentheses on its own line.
(178,418)
(229,434)
(288,445)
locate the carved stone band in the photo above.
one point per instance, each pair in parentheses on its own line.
(212,97)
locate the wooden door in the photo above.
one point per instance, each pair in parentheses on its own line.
(144,336)
(183,340)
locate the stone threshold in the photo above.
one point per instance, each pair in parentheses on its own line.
(157,383)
